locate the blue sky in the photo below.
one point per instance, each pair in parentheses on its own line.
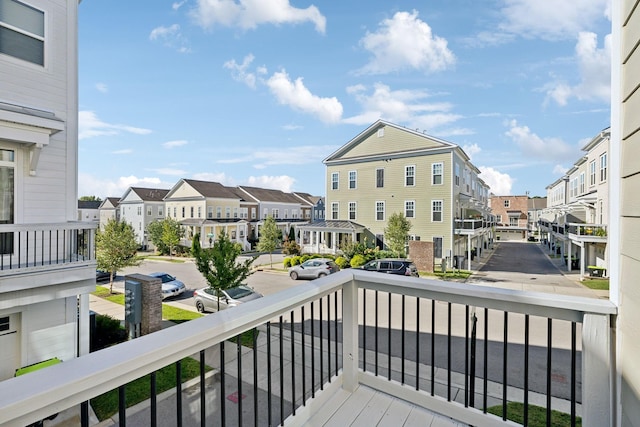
(259,92)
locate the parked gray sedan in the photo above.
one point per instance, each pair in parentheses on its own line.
(313,268)
(205,299)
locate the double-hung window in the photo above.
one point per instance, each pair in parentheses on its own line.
(436,211)
(352,210)
(457,175)
(22,31)
(379,211)
(436,173)
(409,176)
(353,175)
(335,176)
(409,208)
(603,167)
(334,210)
(592,173)
(581,181)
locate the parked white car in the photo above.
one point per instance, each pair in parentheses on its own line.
(171,286)
(205,299)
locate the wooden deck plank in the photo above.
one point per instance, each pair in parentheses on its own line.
(349,410)
(419,417)
(396,414)
(319,418)
(374,410)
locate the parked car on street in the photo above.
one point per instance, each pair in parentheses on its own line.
(313,268)
(403,267)
(102,275)
(205,299)
(171,286)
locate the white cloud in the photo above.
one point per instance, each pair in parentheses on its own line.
(248,14)
(292,127)
(560,170)
(220,177)
(89,125)
(295,155)
(102,87)
(174,144)
(405,42)
(551,19)
(169,171)
(594,67)
(535,147)
(471,149)
(171,37)
(239,71)
(297,96)
(499,183)
(124,151)
(178,4)
(282,182)
(89,184)
(410,107)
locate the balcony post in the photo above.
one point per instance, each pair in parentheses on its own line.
(350,347)
(597,371)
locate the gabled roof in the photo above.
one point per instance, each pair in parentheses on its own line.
(89,204)
(430,144)
(269,195)
(110,202)
(243,195)
(147,194)
(205,189)
(312,200)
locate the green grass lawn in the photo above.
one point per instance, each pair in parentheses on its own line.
(537,415)
(450,274)
(597,284)
(106,405)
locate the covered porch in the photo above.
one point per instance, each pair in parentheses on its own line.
(326,236)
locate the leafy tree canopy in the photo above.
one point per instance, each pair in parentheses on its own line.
(396,233)
(90,199)
(165,234)
(219,264)
(270,236)
(116,248)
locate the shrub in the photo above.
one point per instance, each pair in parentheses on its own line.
(108,332)
(385,254)
(304,258)
(290,247)
(295,260)
(342,262)
(357,261)
(287,262)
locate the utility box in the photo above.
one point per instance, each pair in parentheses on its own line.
(133,307)
(150,302)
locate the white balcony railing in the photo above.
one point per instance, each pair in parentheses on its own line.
(35,247)
(537,338)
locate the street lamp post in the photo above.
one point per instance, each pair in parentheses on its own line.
(210,236)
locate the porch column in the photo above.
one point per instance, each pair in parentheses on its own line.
(83,325)
(582,252)
(569,255)
(469,251)
(597,371)
(334,243)
(350,353)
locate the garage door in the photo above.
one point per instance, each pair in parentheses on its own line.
(9,346)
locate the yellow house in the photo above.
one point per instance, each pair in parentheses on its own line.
(388,169)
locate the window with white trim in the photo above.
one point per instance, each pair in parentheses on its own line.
(265,213)
(334,210)
(218,212)
(199,211)
(149,211)
(191,212)
(352,210)
(160,211)
(22,31)
(437,170)
(275,213)
(507,203)
(581,183)
(7,198)
(592,173)
(603,167)
(409,208)
(409,175)
(227,212)
(210,212)
(352,179)
(235,212)
(335,176)
(457,175)
(380,211)
(436,211)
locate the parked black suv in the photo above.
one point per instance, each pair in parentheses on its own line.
(403,267)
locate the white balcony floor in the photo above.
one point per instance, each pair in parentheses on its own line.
(367,407)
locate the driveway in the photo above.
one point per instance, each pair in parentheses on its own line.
(524,266)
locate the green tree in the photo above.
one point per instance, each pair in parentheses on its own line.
(90,199)
(270,236)
(396,233)
(292,234)
(165,234)
(116,248)
(219,264)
